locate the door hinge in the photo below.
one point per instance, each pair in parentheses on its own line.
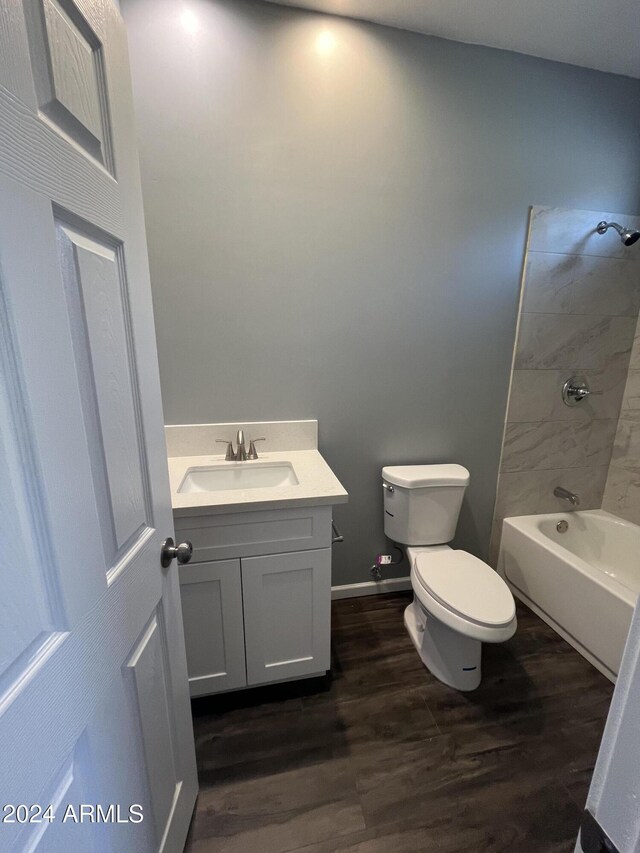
(593,838)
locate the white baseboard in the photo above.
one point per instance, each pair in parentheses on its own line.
(355,590)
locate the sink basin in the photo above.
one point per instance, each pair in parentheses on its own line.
(238,475)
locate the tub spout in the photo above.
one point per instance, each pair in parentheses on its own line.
(566,495)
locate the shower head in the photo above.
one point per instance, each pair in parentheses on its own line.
(627,236)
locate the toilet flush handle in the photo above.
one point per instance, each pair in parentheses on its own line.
(389,488)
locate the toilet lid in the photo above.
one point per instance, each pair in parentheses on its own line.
(467,586)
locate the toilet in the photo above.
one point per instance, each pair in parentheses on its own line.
(459,602)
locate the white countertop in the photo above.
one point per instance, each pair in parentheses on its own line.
(317,485)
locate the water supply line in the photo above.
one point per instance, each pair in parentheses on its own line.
(385,560)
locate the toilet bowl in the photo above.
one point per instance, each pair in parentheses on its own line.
(459,602)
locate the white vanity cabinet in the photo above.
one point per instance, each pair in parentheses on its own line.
(260,610)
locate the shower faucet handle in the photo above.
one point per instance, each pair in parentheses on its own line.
(575,390)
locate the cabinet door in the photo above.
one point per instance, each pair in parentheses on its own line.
(287,614)
(213,626)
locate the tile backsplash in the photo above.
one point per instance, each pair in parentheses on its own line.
(201,439)
(578,316)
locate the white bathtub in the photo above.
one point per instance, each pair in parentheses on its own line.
(584,583)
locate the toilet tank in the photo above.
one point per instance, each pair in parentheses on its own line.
(422,502)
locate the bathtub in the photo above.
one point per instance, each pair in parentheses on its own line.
(584,582)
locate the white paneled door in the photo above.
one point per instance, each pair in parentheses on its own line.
(611,821)
(94,708)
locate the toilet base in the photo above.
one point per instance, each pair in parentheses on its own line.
(453,658)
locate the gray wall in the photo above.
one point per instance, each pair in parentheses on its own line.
(336,229)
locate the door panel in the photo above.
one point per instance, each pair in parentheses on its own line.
(93,273)
(147,667)
(94,702)
(29,618)
(68,786)
(287,600)
(42,395)
(67,62)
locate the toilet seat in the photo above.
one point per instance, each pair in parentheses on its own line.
(465,594)
(467,586)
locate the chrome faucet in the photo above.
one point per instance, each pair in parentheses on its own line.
(241,450)
(240,454)
(566,495)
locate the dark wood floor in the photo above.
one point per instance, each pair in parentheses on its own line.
(382,758)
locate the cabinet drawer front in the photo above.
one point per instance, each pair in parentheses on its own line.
(247,534)
(287,615)
(211,596)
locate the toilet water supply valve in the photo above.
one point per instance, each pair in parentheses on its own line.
(385,560)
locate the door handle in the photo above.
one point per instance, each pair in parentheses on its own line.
(169,550)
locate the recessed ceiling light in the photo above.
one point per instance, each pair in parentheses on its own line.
(189,21)
(325,42)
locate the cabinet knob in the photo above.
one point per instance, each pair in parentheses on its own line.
(169,550)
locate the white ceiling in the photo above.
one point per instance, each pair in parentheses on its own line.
(602,34)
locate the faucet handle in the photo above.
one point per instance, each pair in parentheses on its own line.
(230,456)
(575,390)
(253,453)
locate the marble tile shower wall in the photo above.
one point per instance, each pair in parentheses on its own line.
(622,491)
(578,312)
